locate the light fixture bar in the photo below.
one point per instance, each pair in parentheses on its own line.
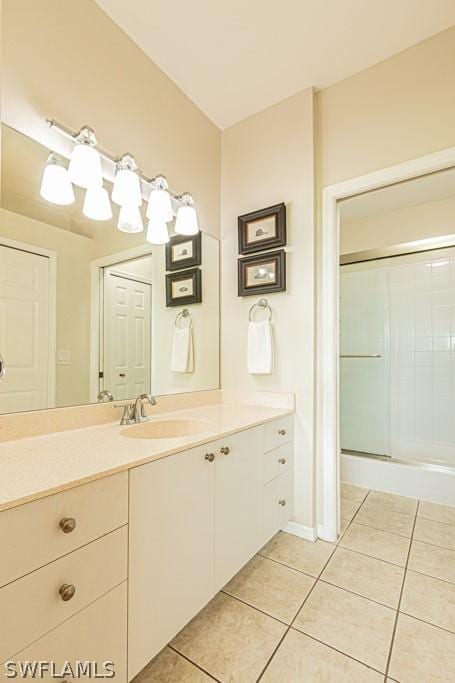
(72,135)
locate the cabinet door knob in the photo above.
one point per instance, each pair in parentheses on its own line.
(282,502)
(67,524)
(225,450)
(210,457)
(282,432)
(282,461)
(67,591)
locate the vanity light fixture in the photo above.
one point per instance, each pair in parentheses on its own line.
(160,205)
(96,204)
(55,185)
(157,232)
(85,163)
(186,222)
(130,219)
(127,189)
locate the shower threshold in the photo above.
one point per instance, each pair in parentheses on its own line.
(431,466)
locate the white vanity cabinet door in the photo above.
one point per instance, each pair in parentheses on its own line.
(171,549)
(238,502)
(95,634)
(278,504)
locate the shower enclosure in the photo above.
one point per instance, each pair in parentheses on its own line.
(397,365)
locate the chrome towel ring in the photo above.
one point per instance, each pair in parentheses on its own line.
(183,314)
(262,304)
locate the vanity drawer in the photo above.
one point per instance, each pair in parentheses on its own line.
(278,504)
(35,604)
(97,633)
(278,461)
(279,432)
(31,535)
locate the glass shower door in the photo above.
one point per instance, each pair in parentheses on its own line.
(365,359)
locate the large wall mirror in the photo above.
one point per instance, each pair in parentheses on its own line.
(89,313)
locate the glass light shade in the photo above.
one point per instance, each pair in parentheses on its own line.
(130,219)
(157,232)
(85,167)
(56,186)
(127,188)
(186,221)
(160,206)
(97,205)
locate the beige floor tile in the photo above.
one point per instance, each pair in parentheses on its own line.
(438,513)
(434,532)
(376,543)
(386,520)
(348,509)
(422,653)
(407,506)
(230,640)
(374,579)
(355,493)
(354,625)
(297,553)
(344,523)
(271,587)
(300,659)
(170,667)
(429,599)
(433,561)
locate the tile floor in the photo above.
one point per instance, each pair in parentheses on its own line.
(377,606)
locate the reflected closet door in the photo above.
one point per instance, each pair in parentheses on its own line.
(365,359)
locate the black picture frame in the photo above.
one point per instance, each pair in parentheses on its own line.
(278,284)
(180,241)
(274,231)
(172,279)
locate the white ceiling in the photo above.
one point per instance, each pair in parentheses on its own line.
(236,57)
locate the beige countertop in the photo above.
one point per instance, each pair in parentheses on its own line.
(35,467)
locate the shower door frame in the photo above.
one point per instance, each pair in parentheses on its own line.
(328,428)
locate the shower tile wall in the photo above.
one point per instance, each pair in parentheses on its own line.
(419,311)
(422,325)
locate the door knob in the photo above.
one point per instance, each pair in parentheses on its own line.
(210,457)
(67,524)
(67,591)
(225,450)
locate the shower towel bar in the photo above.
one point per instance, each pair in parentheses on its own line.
(368,355)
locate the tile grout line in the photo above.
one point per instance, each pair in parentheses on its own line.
(392,640)
(171,647)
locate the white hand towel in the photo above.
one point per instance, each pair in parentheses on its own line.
(182,359)
(260,348)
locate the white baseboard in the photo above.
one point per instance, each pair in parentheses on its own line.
(309,533)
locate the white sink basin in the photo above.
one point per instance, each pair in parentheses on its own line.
(167,429)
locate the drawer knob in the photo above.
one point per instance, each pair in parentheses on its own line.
(282,432)
(67,591)
(282,502)
(282,461)
(225,450)
(67,524)
(210,457)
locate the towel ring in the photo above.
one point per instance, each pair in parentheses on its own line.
(183,314)
(264,305)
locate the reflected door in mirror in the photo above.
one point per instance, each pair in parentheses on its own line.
(127,336)
(25,331)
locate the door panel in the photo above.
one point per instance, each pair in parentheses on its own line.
(24,330)
(127,336)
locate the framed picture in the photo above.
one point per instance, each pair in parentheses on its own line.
(263,273)
(184,288)
(184,252)
(264,229)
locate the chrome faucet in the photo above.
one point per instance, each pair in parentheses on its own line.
(133,413)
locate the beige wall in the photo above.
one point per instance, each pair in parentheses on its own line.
(397,110)
(432,219)
(73,298)
(268,159)
(79,67)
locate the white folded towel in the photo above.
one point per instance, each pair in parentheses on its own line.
(182,359)
(260,348)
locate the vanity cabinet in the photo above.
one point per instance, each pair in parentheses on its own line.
(170,548)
